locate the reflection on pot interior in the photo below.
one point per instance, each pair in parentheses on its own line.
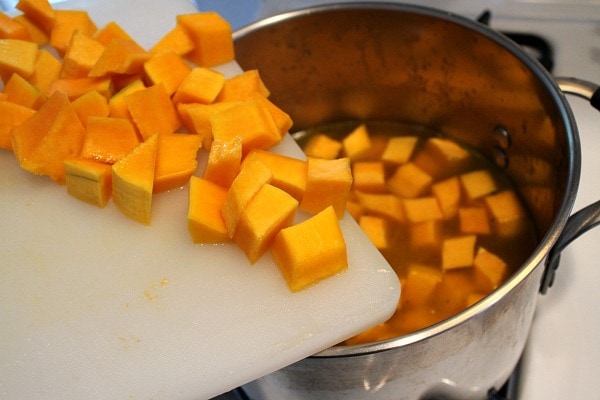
(448,220)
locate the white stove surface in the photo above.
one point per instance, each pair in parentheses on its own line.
(563,354)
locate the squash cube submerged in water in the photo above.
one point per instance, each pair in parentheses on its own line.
(311,250)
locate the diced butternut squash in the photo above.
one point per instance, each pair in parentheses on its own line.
(458,252)
(200,85)
(376,229)
(89,181)
(47,69)
(328,183)
(176,40)
(175,161)
(289,173)
(11,29)
(133,181)
(39,11)
(269,211)
(111,31)
(477,184)
(204,219)
(441,157)
(242,87)
(409,181)
(490,270)
(116,104)
(17,57)
(399,149)
(311,250)
(108,139)
(448,195)
(369,176)
(224,161)
(91,104)
(357,143)
(36,33)
(211,35)
(508,215)
(474,220)
(426,235)
(50,136)
(451,293)
(422,209)
(77,87)
(244,187)
(354,209)
(152,111)
(282,120)
(196,118)
(383,204)
(322,146)
(249,120)
(420,284)
(11,115)
(80,56)
(120,56)
(66,23)
(20,91)
(167,68)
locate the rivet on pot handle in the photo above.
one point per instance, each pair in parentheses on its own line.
(588,217)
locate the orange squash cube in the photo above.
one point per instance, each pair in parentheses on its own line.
(116,104)
(477,184)
(448,195)
(167,68)
(120,56)
(17,57)
(357,143)
(354,209)
(242,87)
(376,229)
(369,176)
(328,183)
(420,284)
(458,252)
(47,69)
(269,211)
(204,219)
(321,145)
(507,213)
(195,117)
(11,29)
(441,158)
(474,220)
(66,23)
(176,40)
(311,250)
(399,149)
(426,234)
(39,11)
(409,181)
(244,187)
(211,35)
(200,85)
(80,56)
(108,139)
(490,270)
(35,32)
(248,120)
(91,104)
(20,91)
(77,87)
(422,209)
(289,173)
(111,31)
(282,120)
(89,181)
(133,181)
(383,204)
(11,115)
(152,111)
(176,161)
(224,161)
(50,136)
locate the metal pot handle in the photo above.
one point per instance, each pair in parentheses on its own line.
(586,218)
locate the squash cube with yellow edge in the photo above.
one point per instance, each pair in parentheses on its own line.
(399,149)
(108,139)
(369,176)
(321,145)
(269,211)
(211,35)
(244,187)
(47,69)
(242,87)
(508,215)
(224,161)
(81,55)
(477,183)
(52,135)
(89,181)
(11,115)
(200,85)
(17,57)
(458,252)
(176,161)
(357,143)
(133,181)
(250,121)
(204,219)
(441,157)
(311,250)
(490,270)
(328,183)
(20,91)
(289,173)
(167,68)
(448,194)
(409,181)
(377,230)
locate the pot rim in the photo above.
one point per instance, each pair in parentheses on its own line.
(573,156)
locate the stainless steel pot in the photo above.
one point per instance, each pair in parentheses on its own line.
(427,67)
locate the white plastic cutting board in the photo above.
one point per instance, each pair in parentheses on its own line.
(96,306)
